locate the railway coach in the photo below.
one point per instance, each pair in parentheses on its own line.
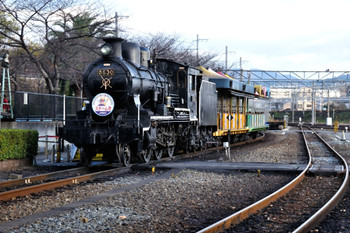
(240,112)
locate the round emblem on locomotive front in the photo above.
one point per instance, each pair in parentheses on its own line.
(102,104)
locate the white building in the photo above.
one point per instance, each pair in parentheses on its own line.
(282,99)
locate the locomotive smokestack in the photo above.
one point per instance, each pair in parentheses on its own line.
(116,44)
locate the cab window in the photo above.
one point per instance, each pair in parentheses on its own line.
(181,79)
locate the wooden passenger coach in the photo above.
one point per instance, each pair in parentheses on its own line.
(239,110)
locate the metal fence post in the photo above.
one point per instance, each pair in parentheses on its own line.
(53,153)
(46,147)
(42,109)
(64,109)
(58,154)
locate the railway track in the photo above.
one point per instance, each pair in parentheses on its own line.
(23,188)
(34,184)
(31,180)
(306,200)
(11,189)
(205,154)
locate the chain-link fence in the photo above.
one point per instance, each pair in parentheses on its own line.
(44,107)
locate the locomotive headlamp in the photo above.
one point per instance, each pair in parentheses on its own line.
(106,49)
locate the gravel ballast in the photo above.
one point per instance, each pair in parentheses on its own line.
(185,202)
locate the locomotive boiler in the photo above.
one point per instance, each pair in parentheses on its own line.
(137,109)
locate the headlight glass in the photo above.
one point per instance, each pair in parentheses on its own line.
(106,49)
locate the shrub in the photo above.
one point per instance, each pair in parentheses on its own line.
(18,143)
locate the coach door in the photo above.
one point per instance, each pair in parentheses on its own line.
(242,101)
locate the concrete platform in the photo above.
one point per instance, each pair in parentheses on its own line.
(230,166)
(317,168)
(213,165)
(42,160)
(48,160)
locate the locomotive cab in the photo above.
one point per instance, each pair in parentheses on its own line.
(183,87)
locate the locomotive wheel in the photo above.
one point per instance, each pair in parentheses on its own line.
(170,151)
(125,155)
(171,140)
(146,155)
(157,153)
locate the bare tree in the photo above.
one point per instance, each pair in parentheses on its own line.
(174,48)
(53,34)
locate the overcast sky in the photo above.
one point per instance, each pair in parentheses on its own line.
(268,34)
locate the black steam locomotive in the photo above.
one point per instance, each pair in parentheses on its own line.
(137,109)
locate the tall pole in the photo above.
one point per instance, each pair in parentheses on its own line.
(226,59)
(197,48)
(240,67)
(116,22)
(313,117)
(328,104)
(303,101)
(197,42)
(293,103)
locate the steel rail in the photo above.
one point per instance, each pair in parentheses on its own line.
(41,177)
(37,178)
(205,151)
(249,141)
(59,183)
(255,207)
(329,206)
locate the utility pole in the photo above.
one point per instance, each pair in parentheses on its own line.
(197,41)
(116,22)
(240,67)
(328,104)
(313,102)
(293,103)
(226,55)
(226,59)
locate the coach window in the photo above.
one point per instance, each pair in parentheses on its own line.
(181,79)
(225,104)
(240,105)
(234,104)
(219,108)
(249,106)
